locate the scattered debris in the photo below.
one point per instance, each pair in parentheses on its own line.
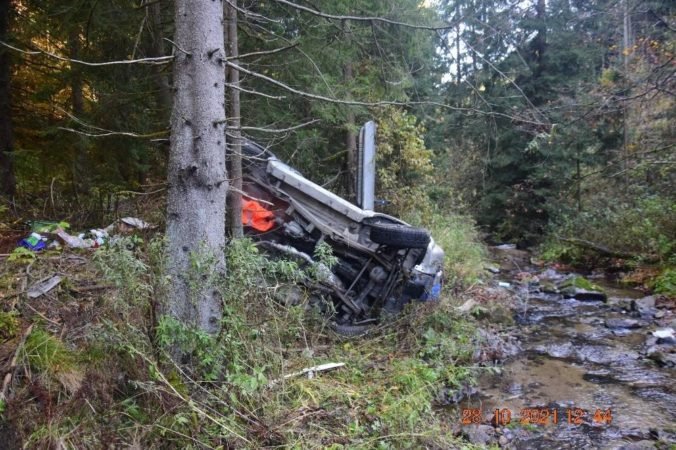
(128,224)
(44,286)
(492,269)
(93,238)
(506,247)
(34,242)
(467,306)
(309,371)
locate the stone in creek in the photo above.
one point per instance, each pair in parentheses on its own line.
(599,377)
(623,323)
(579,288)
(662,358)
(640,445)
(644,306)
(480,434)
(556,350)
(584,294)
(621,302)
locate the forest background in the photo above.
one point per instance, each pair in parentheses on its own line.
(539,119)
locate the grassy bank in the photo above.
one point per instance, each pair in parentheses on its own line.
(92,370)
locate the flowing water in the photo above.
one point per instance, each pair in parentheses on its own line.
(590,374)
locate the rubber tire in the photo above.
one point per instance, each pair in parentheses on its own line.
(398,235)
(351,330)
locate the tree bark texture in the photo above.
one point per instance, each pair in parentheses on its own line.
(7,177)
(234,130)
(197,174)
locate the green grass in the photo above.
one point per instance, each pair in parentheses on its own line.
(465,253)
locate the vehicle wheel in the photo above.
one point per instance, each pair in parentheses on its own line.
(398,235)
(351,330)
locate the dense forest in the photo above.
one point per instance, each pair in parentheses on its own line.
(549,124)
(536,117)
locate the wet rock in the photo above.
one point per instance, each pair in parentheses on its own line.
(623,323)
(665,336)
(661,357)
(455,396)
(601,354)
(548,287)
(650,341)
(584,294)
(557,350)
(551,274)
(640,445)
(503,441)
(644,306)
(495,347)
(664,435)
(480,434)
(659,314)
(621,302)
(579,288)
(599,377)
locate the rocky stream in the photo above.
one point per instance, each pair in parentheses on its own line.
(588,364)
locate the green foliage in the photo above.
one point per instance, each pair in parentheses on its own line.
(120,265)
(47,354)
(640,226)
(665,282)
(9,325)
(404,164)
(21,254)
(208,358)
(465,254)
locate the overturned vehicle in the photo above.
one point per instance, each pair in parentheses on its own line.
(382,262)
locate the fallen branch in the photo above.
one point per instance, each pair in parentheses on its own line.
(13,364)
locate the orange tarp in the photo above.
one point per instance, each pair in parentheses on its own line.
(255,216)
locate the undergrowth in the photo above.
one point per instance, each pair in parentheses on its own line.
(116,385)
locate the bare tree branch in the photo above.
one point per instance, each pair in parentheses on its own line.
(373,104)
(116,133)
(280,130)
(363,18)
(156,60)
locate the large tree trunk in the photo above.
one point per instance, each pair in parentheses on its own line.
(235,145)
(7,177)
(197,175)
